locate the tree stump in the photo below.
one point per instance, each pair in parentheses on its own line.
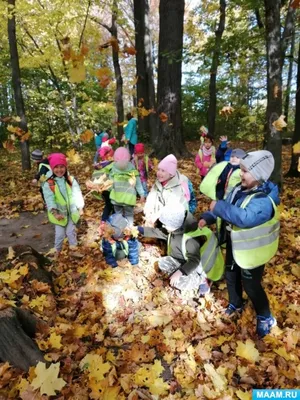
(18,326)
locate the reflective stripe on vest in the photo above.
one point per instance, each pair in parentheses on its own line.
(122,191)
(65,207)
(211,262)
(126,248)
(209,183)
(255,246)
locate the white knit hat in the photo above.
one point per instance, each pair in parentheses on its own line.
(172,216)
(260,164)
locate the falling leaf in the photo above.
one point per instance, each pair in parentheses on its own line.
(296,147)
(77,73)
(25,137)
(247,350)
(279,124)
(9,145)
(130,50)
(226,111)
(86,136)
(73,157)
(163,117)
(47,379)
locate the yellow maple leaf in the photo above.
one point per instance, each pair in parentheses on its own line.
(247,350)
(159,318)
(77,72)
(73,157)
(219,380)
(243,395)
(86,136)
(39,302)
(283,353)
(95,365)
(54,340)
(296,148)
(47,379)
(279,124)
(159,387)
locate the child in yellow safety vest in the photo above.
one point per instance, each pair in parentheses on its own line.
(143,164)
(250,229)
(64,201)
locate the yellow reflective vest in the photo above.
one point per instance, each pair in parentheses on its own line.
(209,183)
(255,246)
(65,207)
(211,261)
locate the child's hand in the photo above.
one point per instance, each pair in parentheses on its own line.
(224,139)
(174,278)
(34,181)
(202,223)
(206,164)
(81,212)
(59,217)
(142,199)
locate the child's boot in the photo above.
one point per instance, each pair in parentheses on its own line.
(264,325)
(204,287)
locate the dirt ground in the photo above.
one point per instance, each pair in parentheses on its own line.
(29,229)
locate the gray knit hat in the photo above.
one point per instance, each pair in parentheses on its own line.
(172,216)
(260,164)
(239,153)
(37,155)
(119,223)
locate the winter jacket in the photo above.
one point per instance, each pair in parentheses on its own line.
(173,191)
(111,258)
(258,211)
(42,169)
(61,184)
(131,131)
(98,139)
(192,259)
(223,180)
(201,158)
(193,200)
(223,153)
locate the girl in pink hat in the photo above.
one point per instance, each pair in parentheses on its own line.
(169,187)
(64,201)
(143,164)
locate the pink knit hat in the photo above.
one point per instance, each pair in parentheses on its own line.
(121,154)
(57,159)
(169,164)
(139,148)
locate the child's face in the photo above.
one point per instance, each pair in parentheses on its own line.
(247,179)
(59,170)
(207,143)
(122,165)
(162,175)
(235,160)
(140,155)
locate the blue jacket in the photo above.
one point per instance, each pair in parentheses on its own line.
(131,131)
(98,139)
(220,188)
(223,153)
(193,200)
(133,251)
(258,211)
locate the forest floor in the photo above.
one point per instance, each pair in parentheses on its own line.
(123,333)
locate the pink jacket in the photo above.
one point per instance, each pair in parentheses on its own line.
(199,161)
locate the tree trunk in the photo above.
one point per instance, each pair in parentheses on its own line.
(293,171)
(169,137)
(289,79)
(19,326)
(16,83)
(276,47)
(118,73)
(212,108)
(144,70)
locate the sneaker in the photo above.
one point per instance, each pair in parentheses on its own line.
(264,325)
(231,309)
(204,288)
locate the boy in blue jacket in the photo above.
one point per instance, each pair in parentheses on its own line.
(250,229)
(119,246)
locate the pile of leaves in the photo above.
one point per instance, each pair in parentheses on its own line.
(124,333)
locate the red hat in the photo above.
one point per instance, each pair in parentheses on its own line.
(57,159)
(139,148)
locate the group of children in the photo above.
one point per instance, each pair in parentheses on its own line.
(243,206)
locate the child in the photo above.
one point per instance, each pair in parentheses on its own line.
(120,246)
(107,142)
(130,131)
(106,154)
(223,152)
(185,244)
(42,164)
(169,186)
(251,232)
(126,184)
(222,177)
(64,201)
(142,164)
(98,141)
(206,156)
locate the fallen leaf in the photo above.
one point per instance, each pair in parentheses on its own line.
(47,379)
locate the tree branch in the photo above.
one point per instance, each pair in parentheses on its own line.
(288,30)
(84,25)
(109,28)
